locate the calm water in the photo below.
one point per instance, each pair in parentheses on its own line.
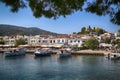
(54,68)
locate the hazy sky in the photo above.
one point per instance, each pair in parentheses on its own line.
(71,23)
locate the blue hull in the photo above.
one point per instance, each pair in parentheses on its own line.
(21,52)
(12,54)
(42,54)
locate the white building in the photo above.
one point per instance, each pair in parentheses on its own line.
(77,42)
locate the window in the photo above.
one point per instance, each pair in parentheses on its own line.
(74,40)
(62,40)
(58,41)
(54,41)
(50,41)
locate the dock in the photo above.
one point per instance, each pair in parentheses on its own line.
(80,52)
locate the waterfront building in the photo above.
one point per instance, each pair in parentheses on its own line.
(62,39)
(77,42)
(9,40)
(59,40)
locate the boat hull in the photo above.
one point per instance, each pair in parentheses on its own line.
(113,56)
(42,54)
(64,54)
(13,54)
(21,52)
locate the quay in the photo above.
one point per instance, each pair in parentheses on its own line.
(79,52)
(91,52)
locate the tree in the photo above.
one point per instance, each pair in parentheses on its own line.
(90,29)
(107,40)
(20,41)
(116,42)
(92,43)
(99,30)
(83,30)
(56,8)
(118,33)
(118,45)
(94,29)
(2,41)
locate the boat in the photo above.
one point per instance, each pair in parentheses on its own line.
(18,52)
(64,53)
(113,56)
(42,53)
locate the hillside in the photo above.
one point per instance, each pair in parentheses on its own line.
(12,30)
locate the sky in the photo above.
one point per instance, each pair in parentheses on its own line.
(72,23)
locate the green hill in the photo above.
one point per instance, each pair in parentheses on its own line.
(12,30)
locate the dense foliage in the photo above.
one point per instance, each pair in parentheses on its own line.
(56,8)
(92,43)
(20,41)
(116,43)
(1,41)
(107,40)
(88,30)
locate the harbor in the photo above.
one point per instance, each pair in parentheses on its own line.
(60,40)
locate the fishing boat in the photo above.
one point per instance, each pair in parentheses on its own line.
(42,53)
(18,52)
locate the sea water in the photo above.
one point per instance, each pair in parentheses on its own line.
(78,67)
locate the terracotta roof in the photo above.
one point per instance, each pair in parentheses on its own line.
(44,35)
(19,34)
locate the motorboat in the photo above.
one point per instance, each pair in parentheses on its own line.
(113,56)
(42,53)
(64,53)
(18,52)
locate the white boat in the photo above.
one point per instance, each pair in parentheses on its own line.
(19,52)
(42,53)
(113,56)
(64,53)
